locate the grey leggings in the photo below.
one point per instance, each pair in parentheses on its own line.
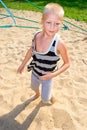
(46,87)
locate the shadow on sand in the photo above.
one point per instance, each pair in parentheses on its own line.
(8,122)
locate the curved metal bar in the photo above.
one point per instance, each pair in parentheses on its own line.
(12,16)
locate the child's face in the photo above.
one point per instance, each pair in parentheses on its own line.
(51,24)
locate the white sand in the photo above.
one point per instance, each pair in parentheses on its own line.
(17,112)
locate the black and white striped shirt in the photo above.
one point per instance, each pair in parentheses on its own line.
(44,62)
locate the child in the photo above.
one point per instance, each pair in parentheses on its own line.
(46,49)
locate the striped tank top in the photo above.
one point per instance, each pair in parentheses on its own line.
(44,62)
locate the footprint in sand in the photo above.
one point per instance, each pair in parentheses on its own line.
(62,120)
(82,101)
(1,98)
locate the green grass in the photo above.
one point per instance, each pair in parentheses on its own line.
(76,9)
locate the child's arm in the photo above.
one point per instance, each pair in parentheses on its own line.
(27,57)
(62,49)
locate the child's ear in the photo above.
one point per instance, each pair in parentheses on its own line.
(61,24)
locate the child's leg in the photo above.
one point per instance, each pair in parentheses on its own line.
(46,93)
(35,86)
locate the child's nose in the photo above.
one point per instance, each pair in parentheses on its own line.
(52,27)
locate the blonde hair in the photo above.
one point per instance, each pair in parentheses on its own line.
(53,8)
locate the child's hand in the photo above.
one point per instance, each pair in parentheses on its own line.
(47,76)
(20,69)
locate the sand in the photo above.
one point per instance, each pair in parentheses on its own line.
(17,112)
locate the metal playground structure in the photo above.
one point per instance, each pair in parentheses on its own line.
(14,24)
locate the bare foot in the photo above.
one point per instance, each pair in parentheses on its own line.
(52,100)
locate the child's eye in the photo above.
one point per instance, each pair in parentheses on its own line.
(48,22)
(57,23)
